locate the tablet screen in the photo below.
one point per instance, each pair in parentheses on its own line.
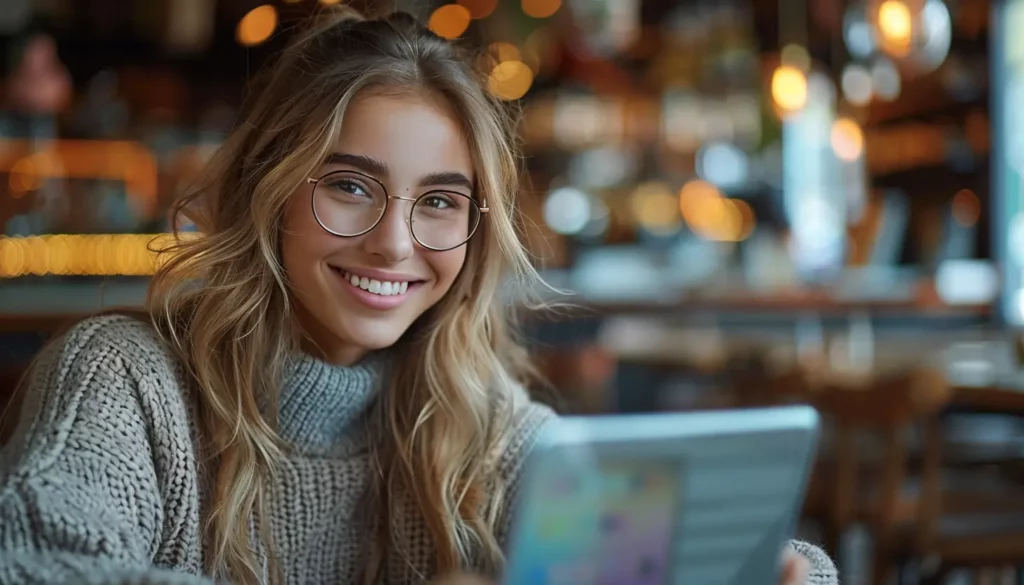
(613,527)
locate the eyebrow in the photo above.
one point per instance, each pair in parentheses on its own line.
(379,168)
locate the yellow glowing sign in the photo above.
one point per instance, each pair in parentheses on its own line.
(80,254)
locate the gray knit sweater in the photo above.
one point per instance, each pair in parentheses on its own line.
(102,483)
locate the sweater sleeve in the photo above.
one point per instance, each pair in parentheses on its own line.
(80,494)
(528,420)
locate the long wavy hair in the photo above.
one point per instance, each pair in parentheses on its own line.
(224,304)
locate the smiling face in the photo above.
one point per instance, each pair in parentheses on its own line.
(356,294)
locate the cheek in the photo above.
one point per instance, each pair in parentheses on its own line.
(447,266)
(303,243)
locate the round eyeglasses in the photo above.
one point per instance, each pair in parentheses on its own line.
(350,203)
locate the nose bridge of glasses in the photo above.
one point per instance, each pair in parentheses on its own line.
(401,198)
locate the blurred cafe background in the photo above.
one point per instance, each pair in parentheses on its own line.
(752,202)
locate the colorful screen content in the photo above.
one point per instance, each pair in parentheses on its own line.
(614,528)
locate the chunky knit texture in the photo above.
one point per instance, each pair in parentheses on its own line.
(102,482)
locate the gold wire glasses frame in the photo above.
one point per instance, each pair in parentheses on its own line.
(438,224)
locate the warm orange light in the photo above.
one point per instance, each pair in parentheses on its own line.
(541,8)
(256,26)
(100,255)
(510,80)
(499,52)
(29,163)
(27,174)
(711,216)
(789,88)
(479,8)
(748,220)
(847,139)
(966,208)
(330,2)
(503,51)
(654,208)
(896,25)
(449,21)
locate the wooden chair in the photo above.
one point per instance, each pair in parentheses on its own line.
(919,510)
(862,461)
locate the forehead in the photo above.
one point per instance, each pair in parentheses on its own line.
(412,134)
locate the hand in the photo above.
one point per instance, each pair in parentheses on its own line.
(795,568)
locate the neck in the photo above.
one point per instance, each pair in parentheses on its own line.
(321,343)
(322,404)
(337,354)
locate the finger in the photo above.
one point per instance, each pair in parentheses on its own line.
(796,569)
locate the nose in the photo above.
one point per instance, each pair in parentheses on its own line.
(392,239)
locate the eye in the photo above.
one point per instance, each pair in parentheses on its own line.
(348,186)
(440,201)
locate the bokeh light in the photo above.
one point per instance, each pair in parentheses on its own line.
(510,80)
(856,84)
(966,207)
(847,139)
(654,208)
(256,26)
(541,8)
(567,210)
(503,51)
(91,254)
(479,8)
(885,80)
(714,217)
(449,21)
(895,24)
(789,88)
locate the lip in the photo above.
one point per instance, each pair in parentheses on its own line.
(369,299)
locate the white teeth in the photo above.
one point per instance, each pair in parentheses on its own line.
(379,287)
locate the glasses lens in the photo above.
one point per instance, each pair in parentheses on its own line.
(442,220)
(347,203)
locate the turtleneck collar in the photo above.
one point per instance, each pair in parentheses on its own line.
(321,403)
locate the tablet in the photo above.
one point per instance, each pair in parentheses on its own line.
(701,498)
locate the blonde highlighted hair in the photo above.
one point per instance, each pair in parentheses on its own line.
(223,303)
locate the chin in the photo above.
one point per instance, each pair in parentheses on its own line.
(372,337)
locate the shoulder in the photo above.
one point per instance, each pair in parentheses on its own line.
(114,333)
(115,344)
(105,366)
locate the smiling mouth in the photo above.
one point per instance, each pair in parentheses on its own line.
(384,288)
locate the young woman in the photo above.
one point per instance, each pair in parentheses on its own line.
(325,389)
